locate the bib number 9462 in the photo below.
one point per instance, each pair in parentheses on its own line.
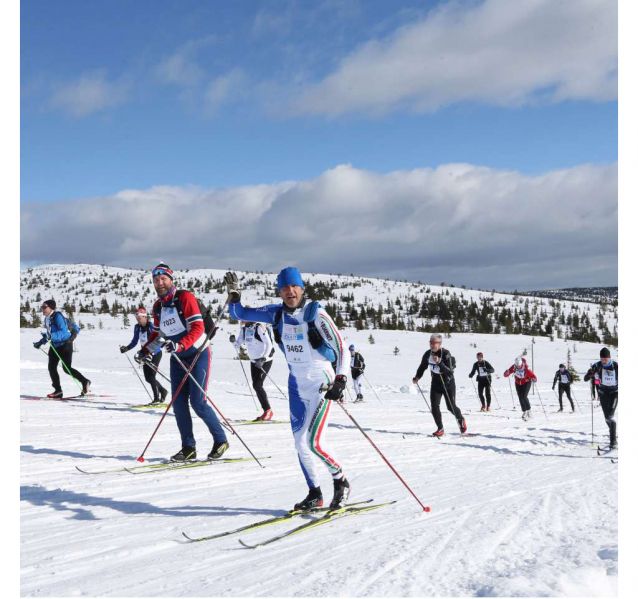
(294,348)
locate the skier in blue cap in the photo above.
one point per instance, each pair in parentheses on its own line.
(311,343)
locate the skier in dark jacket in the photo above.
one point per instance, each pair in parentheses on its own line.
(605,373)
(441,365)
(483,369)
(357,366)
(61,338)
(141,332)
(564,379)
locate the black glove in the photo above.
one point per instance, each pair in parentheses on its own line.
(213,333)
(553,387)
(232,286)
(143,358)
(232,339)
(124,348)
(469,375)
(335,391)
(172,346)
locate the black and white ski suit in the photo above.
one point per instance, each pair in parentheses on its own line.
(443,384)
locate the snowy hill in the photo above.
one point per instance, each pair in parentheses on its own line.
(518,509)
(87,290)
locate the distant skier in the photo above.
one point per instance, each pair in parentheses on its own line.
(441,365)
(564,379)
(178,324)
(311,343)
(606,373)
(60,333)
(357,366)
(140,333)
(524,378)
(484,370)
(258,340)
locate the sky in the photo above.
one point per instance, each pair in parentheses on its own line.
(471,142)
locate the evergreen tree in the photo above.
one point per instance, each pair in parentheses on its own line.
(371,340)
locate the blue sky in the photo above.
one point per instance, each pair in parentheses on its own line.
(136,97)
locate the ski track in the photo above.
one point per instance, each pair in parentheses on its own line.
(521,509)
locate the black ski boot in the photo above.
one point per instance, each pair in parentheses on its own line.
(313,500)
(218,450)
(185,454)
(342,492)
(163,394)
(56,395)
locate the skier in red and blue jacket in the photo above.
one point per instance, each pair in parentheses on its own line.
(178,324)
(524,377)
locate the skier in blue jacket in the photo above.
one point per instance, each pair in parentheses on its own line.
(311,343)
(60,336)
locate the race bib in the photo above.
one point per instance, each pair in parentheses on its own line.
(519,373)
(171,323)
(295,344)
(434,367)
(143,337)
(482,371)
(609,377)
(564,379)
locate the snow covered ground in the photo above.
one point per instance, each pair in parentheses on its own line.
(520,509)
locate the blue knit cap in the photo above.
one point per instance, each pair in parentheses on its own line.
(289,276)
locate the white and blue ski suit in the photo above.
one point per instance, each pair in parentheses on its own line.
(310,361)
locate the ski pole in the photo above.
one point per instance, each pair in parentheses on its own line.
(139,377)
(425,508)
(246,377)
(185,378)
(558,398)
(475,391)
(158,371)
(541,400)
(577,403)
(512,392)
(230,426)
(275,384)
(423,394)
(493,392)
(66,367)
(592,421)
(371,387)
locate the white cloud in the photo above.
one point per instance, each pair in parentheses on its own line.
(225,88)
(458,223)
(91,92)
(501,52)
(180,67)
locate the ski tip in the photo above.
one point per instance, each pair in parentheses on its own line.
(246,545)
(80,470)
(187,537)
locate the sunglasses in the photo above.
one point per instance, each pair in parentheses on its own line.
(161,271)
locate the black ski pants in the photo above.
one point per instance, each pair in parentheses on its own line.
(484,388)
(150,375)
(64,352)
(449,393)
(259,376)
(523,391)
(565,388)
(609,403)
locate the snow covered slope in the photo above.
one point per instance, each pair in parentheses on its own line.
(520,509)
